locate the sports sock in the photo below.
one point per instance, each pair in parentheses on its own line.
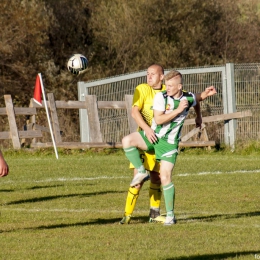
(133,156)
(169,195)
(131,199)
(155,195)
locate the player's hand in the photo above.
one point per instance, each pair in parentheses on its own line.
(183,105)
(151,135)
(210,91)
(3,168)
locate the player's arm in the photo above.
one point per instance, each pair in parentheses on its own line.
(209,91)
(3,166)
(198,119)
(142,124)
(161,118)
(138,118)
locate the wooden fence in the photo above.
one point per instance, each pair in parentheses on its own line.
(33,130)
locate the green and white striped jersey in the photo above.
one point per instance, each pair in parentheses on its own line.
(171,131)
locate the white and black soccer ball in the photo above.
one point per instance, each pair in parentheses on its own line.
(77,64)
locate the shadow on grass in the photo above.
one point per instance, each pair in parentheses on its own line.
(98,221)
(68,225)
(46,198)
(216,256)
(211,218)
(144,220)
(6,190)
(43,187)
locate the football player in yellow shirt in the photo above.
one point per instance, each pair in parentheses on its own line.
(142,113)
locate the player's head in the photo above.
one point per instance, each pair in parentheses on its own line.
(155,76)
(173,82)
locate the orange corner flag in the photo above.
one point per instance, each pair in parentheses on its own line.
(37,96)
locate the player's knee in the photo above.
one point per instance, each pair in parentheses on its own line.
(126,141)
(165,179)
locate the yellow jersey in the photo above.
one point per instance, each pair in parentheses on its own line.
(143,99)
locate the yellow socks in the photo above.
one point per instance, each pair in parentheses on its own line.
(155,195)
(131,199)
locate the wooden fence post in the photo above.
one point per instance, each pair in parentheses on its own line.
(93,118)
(32,121)
(131,122)
(12,122)
(54,117)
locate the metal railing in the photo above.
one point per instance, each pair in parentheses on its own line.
(237,85)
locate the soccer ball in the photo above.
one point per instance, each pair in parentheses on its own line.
(77,64)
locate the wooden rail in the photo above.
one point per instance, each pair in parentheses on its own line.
(14,134)
(34,130)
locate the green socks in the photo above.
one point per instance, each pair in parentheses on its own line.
(133,156)
(169,194)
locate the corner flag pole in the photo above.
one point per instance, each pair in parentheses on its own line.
(48,117)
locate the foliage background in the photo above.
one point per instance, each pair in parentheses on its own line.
(117,37)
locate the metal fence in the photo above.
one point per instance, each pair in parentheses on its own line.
(247,90)
(237,86)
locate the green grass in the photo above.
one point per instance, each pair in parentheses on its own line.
(70,208)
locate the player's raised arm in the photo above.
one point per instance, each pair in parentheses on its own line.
(209,91)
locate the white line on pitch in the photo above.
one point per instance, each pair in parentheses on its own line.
(60,210)
(127,177)
(218,172)
(69,179)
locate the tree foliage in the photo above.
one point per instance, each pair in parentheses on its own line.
(118,36)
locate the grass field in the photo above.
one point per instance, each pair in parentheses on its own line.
(70,208)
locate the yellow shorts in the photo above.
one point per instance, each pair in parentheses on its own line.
(149,161)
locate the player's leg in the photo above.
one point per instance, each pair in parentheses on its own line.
(167,154)
(168,191)
(155,195)
(150,164)
(130,144)
(131,198)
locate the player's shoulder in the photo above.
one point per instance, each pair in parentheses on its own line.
(161,95)
(143,86)
(187,93)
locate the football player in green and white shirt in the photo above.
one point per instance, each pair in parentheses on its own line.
(170,110)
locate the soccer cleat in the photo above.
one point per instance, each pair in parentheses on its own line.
(125,220)
(159,219)
(139,178)
(170,221)
(155,216)
(154,213)
(147,178)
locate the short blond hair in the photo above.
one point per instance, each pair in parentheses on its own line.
(173,74)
